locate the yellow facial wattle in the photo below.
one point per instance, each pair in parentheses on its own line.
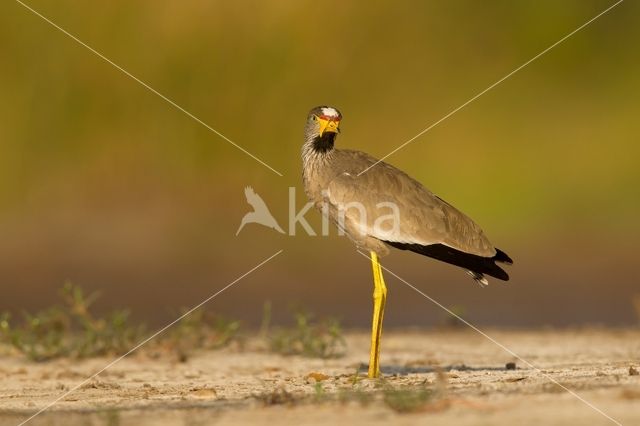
(330,126)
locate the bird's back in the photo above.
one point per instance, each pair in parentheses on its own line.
(424,217)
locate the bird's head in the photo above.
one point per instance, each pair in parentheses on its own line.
(322,127)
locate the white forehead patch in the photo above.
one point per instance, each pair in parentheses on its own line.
(330,112)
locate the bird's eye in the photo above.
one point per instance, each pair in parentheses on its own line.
(314,118)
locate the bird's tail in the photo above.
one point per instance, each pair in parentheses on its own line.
(478,265)
(502,257)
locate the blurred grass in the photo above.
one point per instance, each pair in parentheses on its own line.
(308,337)
(401,398)
(101,181)
(70,330)
(74,124)
(73,330)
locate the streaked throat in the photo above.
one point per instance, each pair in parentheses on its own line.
(324,143)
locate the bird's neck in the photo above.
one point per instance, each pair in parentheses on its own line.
(317,153)
(323,144)
(318,148)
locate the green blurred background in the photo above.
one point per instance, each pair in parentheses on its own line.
(107,185)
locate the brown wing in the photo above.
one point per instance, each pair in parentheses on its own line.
(424,218)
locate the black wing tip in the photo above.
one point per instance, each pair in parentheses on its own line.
(502,257)
(474,263)
(499,273)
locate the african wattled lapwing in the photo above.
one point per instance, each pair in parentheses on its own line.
(425,223)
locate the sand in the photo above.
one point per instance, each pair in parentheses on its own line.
(249,385)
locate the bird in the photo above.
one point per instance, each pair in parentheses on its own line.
(350,187)
(260,213)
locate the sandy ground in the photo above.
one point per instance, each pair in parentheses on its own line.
(229,386)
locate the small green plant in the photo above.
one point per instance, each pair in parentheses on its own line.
(402,399)
(355,394)
(356,376)
(399,398)
(70,330)
(319,391)
(201,329)
(407,399)
(110,416)
(322,339)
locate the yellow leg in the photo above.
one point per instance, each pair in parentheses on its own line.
(379,300)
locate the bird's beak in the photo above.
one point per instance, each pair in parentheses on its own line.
(329,126)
